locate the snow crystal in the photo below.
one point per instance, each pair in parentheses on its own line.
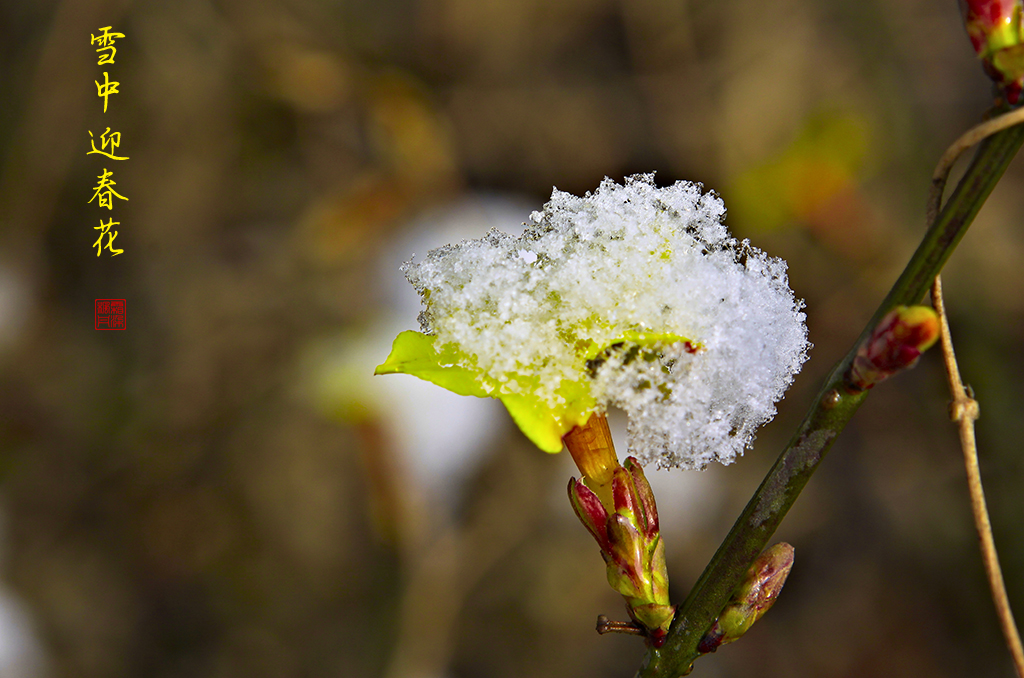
(619,262)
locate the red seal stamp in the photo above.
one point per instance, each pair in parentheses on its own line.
(111,314)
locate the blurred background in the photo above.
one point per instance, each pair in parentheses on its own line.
(223,489)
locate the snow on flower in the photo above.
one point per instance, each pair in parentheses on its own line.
(632,296)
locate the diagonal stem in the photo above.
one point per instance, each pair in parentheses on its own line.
(832,409)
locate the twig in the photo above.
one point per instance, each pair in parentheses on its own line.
(964,409)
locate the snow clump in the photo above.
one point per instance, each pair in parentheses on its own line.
(640,294)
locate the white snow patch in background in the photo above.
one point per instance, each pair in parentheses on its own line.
(441,437)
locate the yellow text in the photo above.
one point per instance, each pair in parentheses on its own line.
(114,140)
(104,230)
(105,40)
(105,190)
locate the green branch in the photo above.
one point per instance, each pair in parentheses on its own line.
(833,407)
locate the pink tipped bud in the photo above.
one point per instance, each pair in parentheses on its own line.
(996,32)
(753,598)
(624,494)
(895,345)
(590,511)
(766,577)
(644,496)
(992,25)
(626,528)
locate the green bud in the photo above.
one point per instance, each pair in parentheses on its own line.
(752,598)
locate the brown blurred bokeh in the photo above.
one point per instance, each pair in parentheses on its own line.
(186,498)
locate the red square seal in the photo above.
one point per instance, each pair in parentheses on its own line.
(110,314)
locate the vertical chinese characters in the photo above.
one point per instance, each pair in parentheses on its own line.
(104,193)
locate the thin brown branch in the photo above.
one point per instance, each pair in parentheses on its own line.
(964,409)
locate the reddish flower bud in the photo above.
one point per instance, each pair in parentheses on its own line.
(766,577)
(645,496)
(590,511)
(753,598)
(895,345)
(996,32)
(624,494)
(625,525)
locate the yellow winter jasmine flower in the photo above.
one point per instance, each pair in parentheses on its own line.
(633,296)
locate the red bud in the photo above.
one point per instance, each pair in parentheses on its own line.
(996,32)
(590,511)
(895,345)
(644,495)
